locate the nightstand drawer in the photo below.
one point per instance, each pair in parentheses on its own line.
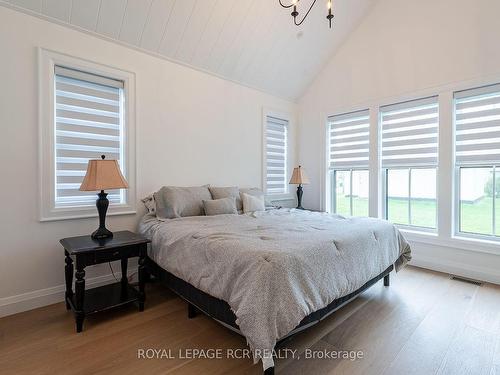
(111,255)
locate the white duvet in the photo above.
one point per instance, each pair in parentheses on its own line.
(274,268)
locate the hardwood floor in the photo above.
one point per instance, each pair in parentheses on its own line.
(424,323)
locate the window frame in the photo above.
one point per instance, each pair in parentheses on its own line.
(383,170)
(457,206)
(46,123)
(385,198)
(333,188)
(329,194)
(285,116)
(457,233)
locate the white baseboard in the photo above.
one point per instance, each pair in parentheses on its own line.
(473,265)
(43,297)
(457,269)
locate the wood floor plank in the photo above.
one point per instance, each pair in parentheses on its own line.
(384,322)
(425,350)
(495,367)
(379,331)
(471,352)
(307,338)
(485,311)
(305,365)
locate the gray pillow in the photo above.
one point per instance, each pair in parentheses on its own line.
(226,192)
(220,206)
(173,201)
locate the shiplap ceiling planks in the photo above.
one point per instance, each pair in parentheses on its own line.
(251,42)
(85,13)
(154,29)
(110,18)
(134,21)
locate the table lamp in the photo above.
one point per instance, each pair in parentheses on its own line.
(299,177)
(103,174)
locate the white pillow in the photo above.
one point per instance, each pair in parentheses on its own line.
(252,203)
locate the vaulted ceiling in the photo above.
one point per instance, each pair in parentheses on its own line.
(253,42)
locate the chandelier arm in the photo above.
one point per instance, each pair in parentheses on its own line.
(286,6)
(305,16)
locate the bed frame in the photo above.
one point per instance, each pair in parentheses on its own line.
(219,310)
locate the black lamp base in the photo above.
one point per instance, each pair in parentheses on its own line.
(102,204)
(299,197)
(102,233)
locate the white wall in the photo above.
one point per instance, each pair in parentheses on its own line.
(402,48)
(192,128)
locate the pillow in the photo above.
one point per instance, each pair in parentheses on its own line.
(252,191)
(173,201)
(256,192)
(150,203)
(220,206)
(226,192)
(252,203)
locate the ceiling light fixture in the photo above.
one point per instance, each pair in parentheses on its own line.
(295,12)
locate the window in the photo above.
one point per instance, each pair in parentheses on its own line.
(88,123)
(85,113)
(477,153)
(350,192)
(349,154)
(411,196)
(409,161)
(275,158)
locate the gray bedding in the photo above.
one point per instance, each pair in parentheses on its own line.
(274,268)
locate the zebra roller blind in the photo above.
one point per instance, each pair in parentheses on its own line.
(410,133)
(349,136)
(276,155)
(89,123)
(477,125)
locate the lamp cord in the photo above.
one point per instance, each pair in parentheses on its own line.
(114,276)
(111,268)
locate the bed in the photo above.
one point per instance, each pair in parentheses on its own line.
(270,274)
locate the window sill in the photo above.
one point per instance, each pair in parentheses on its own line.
(84,213)
(455,242)
(280,197)
(417,230)
(417,233)
(477,244)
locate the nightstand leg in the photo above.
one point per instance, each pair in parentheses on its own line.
(69,279)
(80,293)
(142,277)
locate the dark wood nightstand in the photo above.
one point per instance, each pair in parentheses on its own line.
(86,252)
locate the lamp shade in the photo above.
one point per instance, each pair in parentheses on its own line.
(103,175)
(299,176)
